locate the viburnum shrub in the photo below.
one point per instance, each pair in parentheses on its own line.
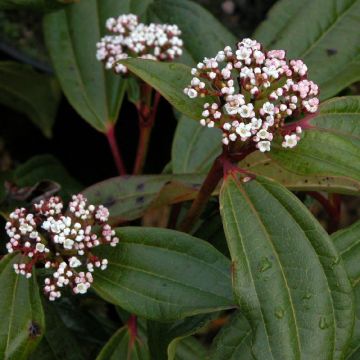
(242,247)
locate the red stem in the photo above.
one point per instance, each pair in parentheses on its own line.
(223,164)
(110,135)
(332,209)
(132,326)
(146,122)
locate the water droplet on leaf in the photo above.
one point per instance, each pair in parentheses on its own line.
(323,324)
(279,312)
(265,264)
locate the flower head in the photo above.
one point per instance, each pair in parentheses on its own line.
(130,38)
(60,242)
(254,91)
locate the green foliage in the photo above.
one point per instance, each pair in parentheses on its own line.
(289,316)
(331,146)
(128,198)
(347,242)
(22,319)
(164,275)
(43,5)
(313,30)
(36,95)
(71,35)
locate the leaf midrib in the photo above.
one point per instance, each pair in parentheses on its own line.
(324,33)
(267,236)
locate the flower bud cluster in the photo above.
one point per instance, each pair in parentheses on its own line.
(255,91)
(61,242)
(133,39)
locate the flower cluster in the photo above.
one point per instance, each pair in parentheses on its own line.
(133,39)
(62,242)
(256,91)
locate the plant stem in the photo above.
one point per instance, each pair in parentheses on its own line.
(110,135)
(132,326)
(147,117)
(224,163)
(143,147)
(332,209)
(213,178)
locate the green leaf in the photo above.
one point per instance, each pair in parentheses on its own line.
(34,94)
(318,166)
(262,164)
(71,36)
(201,38)
(164,339)
(233,341)
(190,349)
(169,79)
(331,147)
(313,30)
(128,197)
(33,4)
(120,346)
(347,242)
(288,277)
(22,319)
(58,342)
(46,167)
(164,275)
(194,148)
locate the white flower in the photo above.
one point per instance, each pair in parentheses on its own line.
(264,146)
(248,42)
(290,141)
(81,288)
(244,130)
(243,53)
(40,247)
(246,111)
(68,244)
(192,93)
(233,103)
(74,262)
(232,137)
(263,134)
(268,108)
(256,123)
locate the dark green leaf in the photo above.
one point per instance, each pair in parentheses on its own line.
(190,349)
(120,346)
(331,147)
(33,4)
(313,30)
(59,342)
(347,242)
(22,322)
(34,94)
(129,197)
(169,79)
(164,338)
(288,277)
(164,275)
(194,148)
(233,341)
(46,167)
(318,166)
(71,36)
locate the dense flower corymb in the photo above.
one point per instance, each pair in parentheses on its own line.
(62,242)
(133,39)
(257,91)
